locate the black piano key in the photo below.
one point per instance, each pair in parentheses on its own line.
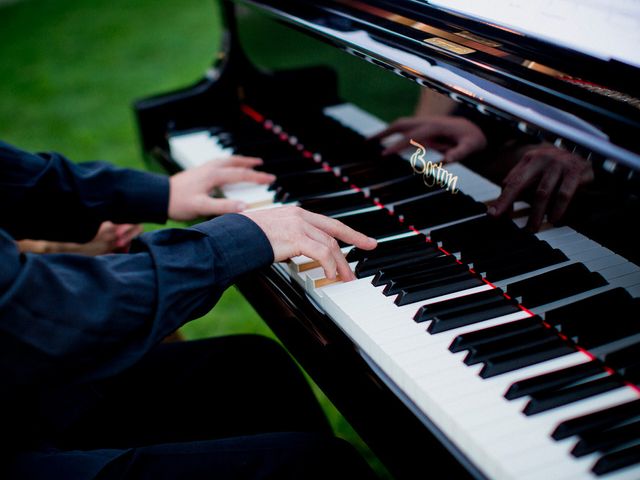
(411,242)
(501,272)
(268,153)
(553,379)
(420,284)
(297,164)
(599,304)
(498,332)
(430,277)
(404,261)
(438,209)
(541,402)
(624,358)
(367,174)
(445,322)
(336,204)
(586,329)
(481,234)
(597,420)
(377,223)
(617,460)
(427,312)
(556,284)
(388,273)
(298,187)
(505,346)
(632,373)
(399,257)
(606,440)
(525,358)
(403,189)
(418,294)
(480,248)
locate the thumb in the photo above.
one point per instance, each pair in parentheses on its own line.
(228,175)
(458,152)
(219,206)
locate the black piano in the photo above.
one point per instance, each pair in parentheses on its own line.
(467,342)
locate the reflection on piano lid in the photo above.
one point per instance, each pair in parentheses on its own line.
(518,351)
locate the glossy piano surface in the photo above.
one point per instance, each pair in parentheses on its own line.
(465,340)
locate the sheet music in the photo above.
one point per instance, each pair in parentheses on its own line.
(607,29)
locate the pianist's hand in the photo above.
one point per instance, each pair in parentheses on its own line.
(189,190)
(555,174)
(455,137)
(293,231)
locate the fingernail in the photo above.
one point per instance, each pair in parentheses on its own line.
(492,211)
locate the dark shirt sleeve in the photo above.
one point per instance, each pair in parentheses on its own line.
(47,197)
(74,318)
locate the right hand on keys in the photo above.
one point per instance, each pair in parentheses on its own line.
(293,231)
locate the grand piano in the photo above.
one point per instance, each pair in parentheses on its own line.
(467,342)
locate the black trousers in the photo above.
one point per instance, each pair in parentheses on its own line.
(224,408)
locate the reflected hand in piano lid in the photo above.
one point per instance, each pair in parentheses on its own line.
(555,176)
(455,137)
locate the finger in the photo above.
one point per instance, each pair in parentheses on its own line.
(421,133)
(127,232)
(522,175)
(228,175)
(239,161)
(322,253)
(339,230)
(544,192)
(460,151)
(125,228)
(220,206)
(399,125)
(342,266)
(396,147)
(565,194)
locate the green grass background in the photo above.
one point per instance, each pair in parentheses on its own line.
(70,69)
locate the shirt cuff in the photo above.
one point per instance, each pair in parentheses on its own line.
(143,196)
(240,242)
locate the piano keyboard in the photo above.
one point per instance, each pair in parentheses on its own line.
(521,348)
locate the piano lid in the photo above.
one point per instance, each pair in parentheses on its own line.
(582,97)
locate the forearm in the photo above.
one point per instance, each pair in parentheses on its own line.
(52,198)
(68,316)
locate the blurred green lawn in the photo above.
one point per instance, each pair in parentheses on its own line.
(69,72)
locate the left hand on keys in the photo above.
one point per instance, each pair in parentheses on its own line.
(189,190)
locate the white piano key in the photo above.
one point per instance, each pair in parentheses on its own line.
(355,118)
(192,149)
(254,195)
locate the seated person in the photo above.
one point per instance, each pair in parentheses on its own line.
(553,174)
(86,390)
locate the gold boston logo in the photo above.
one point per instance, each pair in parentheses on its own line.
(432,173)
